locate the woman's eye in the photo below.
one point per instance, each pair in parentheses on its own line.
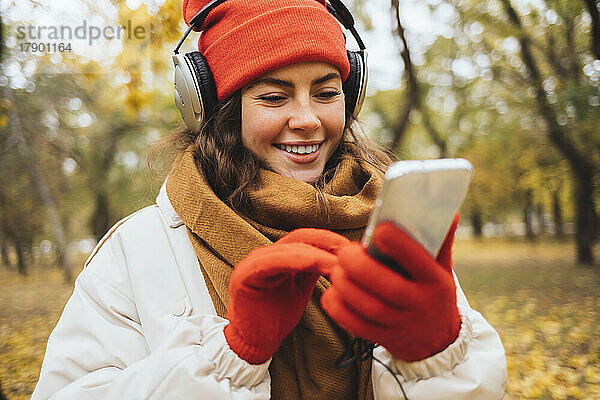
(329,94)
(272,98)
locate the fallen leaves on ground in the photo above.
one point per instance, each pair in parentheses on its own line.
(544,307)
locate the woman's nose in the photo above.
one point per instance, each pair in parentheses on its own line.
(304,116)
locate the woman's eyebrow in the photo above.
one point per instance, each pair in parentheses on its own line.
(272,81)
(288,84)
(326,78)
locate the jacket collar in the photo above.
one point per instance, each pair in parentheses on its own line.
(166,209)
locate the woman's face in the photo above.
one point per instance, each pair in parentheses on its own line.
(293,118)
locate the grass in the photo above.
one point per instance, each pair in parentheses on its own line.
(545,308)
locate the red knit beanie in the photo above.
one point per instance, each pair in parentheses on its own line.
(245,39)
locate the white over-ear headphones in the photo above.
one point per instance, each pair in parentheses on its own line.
(195,89)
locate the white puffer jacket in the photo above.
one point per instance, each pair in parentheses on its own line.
(141,325)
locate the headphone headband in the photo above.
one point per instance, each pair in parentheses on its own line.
(198,19)
(195,90)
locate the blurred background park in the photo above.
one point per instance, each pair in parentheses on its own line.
(511,85)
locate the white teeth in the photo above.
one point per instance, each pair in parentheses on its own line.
(299,149)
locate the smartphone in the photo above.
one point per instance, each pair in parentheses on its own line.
(420,197)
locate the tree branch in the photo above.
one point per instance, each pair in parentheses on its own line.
(409,73)
(592,7)
(551,55)
(557,134)
(574,66)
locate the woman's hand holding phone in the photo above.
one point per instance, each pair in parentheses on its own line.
(413,317)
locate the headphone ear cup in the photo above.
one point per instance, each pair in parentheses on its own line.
(355,85)
(186,95)
(207,90)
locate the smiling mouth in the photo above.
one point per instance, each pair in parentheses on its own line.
(299,149)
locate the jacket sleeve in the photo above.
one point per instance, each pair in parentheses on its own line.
(98,349)
(473,367)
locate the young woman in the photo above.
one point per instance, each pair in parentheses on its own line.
(245,280)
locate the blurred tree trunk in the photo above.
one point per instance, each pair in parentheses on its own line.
(592,7)
(97,164)
(21,262)
(528,215)
(101,218)
(4,245)
(30,164)
(4,233)
(1,52)
(585,220)
(581,164)
(540,217)
(558,220)
(29,255)
(4,252)
(476,222)
(436,137)
(2,396)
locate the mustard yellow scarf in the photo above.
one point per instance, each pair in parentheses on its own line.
(303,367)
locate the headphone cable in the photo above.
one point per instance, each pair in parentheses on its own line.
(362,350)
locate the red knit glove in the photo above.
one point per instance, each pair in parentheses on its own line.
(412,318)
(320,238)
(269,290)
